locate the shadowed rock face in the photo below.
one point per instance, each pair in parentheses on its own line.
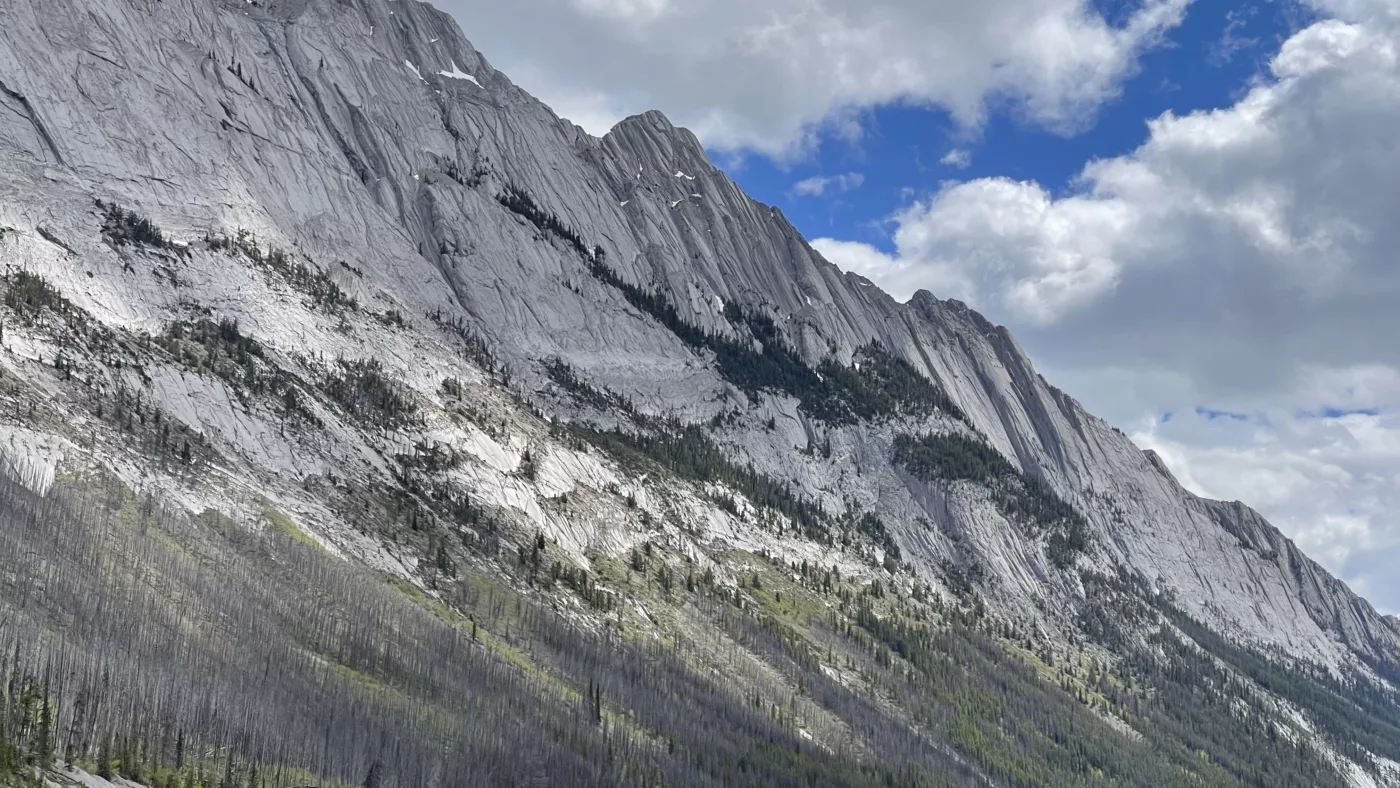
(372,132)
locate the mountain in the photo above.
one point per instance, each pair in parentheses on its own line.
(353,399)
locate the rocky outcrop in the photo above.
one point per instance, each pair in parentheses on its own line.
(371,132)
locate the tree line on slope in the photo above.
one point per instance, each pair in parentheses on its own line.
(1023,719)
(1026,500)
(883,386)
(1028,731)
(689,452)
(1358,716)
(1190,684)
(833,393)
(221,349)
(298,271)
(122,228)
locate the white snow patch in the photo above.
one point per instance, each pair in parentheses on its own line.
(457,73)
(680,174)
(677,202)
(624,203)
(415,71)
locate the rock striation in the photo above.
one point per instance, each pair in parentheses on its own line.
(371,137)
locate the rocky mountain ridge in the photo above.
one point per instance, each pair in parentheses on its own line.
(264,218)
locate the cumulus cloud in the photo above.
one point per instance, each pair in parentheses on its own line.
(821,185)
(1265,224)
(770,75)
(1241,259)
(856,257)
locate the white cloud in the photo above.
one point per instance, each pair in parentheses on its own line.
(997,241)
(957,157)
(1243,259)
(769,75)
(820,185)
(1263,225)
(855,257)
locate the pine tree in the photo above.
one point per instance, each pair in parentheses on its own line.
(9,753)
(104,759)
(43,747)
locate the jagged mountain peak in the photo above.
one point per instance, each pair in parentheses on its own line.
(345,254)
(1160,464)
(653,120)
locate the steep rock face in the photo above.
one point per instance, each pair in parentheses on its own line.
(372,132)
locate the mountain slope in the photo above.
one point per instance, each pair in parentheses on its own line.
(374,284)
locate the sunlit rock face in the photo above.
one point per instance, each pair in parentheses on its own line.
(370,138)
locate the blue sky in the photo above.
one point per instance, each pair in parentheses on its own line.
(1206,63)
(1219,282)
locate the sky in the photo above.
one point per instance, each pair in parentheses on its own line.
(1185,210)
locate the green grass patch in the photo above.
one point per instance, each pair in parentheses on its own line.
(284,525)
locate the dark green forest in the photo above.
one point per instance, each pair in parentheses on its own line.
(951,457)
(878,384)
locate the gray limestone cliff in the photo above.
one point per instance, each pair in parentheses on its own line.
(371,133)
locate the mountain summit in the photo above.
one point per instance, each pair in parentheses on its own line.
(534,457)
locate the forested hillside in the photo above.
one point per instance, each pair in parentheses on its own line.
(178,650)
